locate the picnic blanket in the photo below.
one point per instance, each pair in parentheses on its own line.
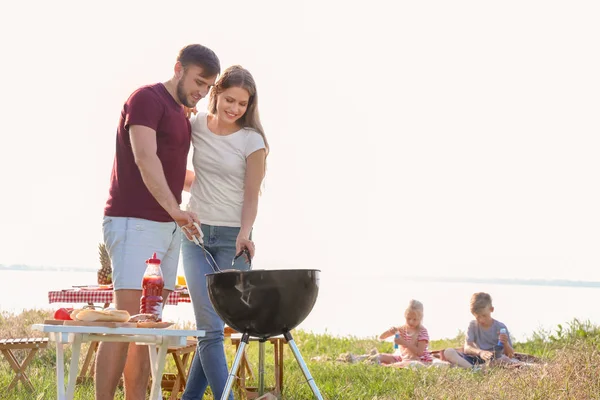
(523,357)
(372,357)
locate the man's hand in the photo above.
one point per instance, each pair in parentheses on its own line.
(187,219)
(486,355)
(508,350)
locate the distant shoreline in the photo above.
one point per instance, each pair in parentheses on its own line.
(494,281)
(49,269)
(504,281)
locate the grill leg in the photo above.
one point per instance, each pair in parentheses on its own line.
(235,366)
(303,367)
(261,367)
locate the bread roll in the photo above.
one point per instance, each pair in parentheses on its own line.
(102,315)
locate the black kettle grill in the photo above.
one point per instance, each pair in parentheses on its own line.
(264,303)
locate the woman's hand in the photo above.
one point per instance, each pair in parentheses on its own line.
(243,242)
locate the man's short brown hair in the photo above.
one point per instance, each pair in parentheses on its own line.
(479,301)
(205,58)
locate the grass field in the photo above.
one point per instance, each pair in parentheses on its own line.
(570,369)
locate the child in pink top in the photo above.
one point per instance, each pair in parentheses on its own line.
(413,339)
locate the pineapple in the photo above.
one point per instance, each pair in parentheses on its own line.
(105,271)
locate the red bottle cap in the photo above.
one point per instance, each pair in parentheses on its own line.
(153,260)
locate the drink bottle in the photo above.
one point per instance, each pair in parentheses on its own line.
(152,287)
(499,349)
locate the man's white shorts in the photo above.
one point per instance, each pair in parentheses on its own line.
(131,241)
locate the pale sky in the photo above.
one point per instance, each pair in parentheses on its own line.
(408,138)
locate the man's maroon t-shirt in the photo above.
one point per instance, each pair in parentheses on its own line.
(151,106)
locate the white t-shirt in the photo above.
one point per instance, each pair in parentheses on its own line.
(217,193)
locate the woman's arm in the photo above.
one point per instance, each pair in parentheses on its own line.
(255,172)
(189,179)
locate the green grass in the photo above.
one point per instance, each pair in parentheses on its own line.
(570,368)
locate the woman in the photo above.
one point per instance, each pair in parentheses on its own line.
(229,161)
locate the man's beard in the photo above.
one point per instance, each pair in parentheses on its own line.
(181,95)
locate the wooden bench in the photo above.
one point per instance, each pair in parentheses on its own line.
(183,356)
(33,345)
(174,383)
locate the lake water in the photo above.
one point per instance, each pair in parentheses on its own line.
(365,306)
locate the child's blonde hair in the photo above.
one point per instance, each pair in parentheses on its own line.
(416,307)
(479,301)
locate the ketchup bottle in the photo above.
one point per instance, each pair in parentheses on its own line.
(152,287)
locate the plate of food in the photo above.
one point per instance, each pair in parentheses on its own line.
(152,324)
(94,287)
(149,321)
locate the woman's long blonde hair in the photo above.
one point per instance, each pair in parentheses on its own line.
(236,76)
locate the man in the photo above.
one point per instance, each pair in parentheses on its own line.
(142,214)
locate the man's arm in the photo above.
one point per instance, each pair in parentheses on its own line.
(143,144)
(508,349)
(473,349)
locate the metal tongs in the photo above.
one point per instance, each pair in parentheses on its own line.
(199,241)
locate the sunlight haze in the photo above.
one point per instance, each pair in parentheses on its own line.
(407,138)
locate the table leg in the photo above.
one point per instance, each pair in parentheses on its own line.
(88,363)
(153,355)
(60,370)
(276,357)
(74,367)
(181,379)
(91,304)
(246,366)
(280,343)
(157,366)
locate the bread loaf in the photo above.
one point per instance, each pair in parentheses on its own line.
(74,313)
(101,315)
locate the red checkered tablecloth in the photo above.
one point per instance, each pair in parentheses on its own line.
(104,296)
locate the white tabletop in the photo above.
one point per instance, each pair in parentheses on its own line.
(117,331)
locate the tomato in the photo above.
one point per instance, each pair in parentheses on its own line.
(63,314)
